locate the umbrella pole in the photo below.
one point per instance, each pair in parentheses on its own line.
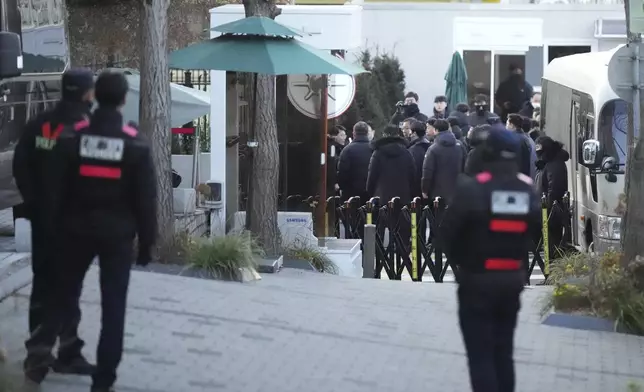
(284,165)
(252,144)
(196,153)
(320,221)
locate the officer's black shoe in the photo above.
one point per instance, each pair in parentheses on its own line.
(36,369)
(77,365)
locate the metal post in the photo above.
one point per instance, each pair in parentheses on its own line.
(544,235)
(324,123)
(369,252)
(414,241)
(630,135)
(634,41)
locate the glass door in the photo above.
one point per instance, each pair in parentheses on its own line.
(478,64)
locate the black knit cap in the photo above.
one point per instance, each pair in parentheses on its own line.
(76,83)
(502,144)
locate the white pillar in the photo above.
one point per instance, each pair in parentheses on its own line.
(218,146)
(218,140)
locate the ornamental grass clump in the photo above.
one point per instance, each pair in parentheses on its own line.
(314,255)
(598,285)
(224,257)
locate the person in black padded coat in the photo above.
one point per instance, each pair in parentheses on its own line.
(392,171)
(551,180)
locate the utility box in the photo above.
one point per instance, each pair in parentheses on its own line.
(296,228)
(214,200)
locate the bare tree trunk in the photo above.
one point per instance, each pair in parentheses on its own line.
(262,204)
(154,109)
(265,169)
(632,243)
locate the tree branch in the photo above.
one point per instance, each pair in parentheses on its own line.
(275,11)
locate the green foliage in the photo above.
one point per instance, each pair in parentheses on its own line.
(223,257)
(376,92)
(184,144)
(388,74)
(176,250)
(318,259)
(600,286)
(634,387)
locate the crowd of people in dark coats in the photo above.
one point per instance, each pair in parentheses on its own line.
(418,155)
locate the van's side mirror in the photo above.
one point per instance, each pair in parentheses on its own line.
(590,154)
(609,164)
(10,55)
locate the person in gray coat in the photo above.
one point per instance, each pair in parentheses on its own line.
(442,165)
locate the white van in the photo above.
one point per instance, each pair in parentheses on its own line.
(580,109)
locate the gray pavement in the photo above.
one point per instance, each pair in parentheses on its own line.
(15,271)
(303,332)
(7,241)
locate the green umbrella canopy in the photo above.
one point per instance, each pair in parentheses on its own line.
(456,81)
(258,25)
(260,54)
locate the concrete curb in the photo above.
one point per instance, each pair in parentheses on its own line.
(249,275)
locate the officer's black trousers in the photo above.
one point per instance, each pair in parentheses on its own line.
(488,307)
(42,290)
(115,261)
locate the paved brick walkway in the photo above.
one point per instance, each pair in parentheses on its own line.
(302,332)
(7,242)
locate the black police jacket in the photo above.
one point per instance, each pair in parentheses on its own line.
(102,182)
(491,220)
(36,142)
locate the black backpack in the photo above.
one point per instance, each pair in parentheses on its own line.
(176,179)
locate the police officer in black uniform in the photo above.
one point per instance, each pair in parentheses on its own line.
(103,193)
(30,160)
(494,214)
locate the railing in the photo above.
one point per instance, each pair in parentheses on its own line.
(38,13)
(402,236)
(185,144)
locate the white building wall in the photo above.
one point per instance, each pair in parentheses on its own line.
(422,35)
(183,165)
(609,43)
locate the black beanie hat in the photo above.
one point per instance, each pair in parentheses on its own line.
(75,84)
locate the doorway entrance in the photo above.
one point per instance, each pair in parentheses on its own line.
(502,65)
(554,52)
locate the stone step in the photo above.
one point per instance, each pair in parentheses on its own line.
(270,265)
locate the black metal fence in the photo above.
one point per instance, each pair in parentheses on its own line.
(404,239)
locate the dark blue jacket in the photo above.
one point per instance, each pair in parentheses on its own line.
(418,148)
(443,163)
(392,171)
(353,167)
